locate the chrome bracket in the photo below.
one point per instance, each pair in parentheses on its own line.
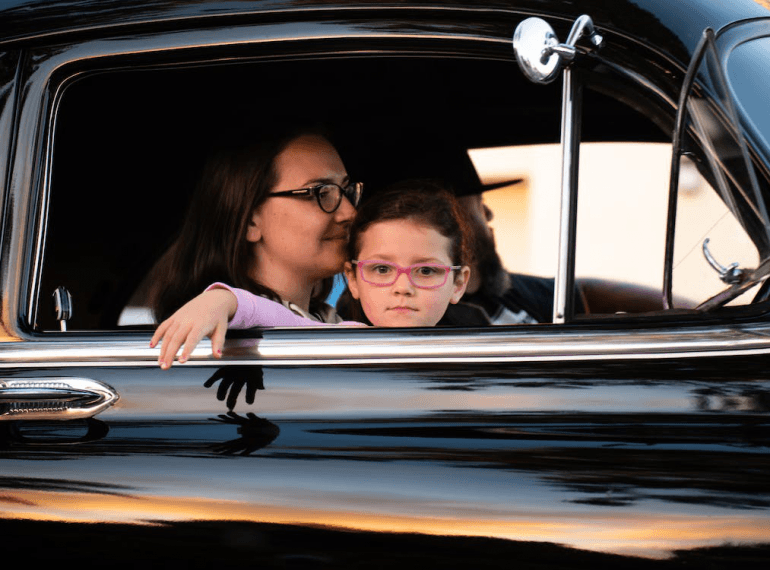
(732,274)
(62,306)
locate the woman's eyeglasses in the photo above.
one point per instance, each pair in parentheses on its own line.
(328,195)
(421,275)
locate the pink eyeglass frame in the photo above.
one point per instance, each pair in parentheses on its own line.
(407,270)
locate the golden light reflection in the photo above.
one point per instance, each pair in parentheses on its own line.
(280,398)
(636,533)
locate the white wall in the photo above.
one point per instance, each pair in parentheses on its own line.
(623,191)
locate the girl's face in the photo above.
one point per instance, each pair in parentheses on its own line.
(294,240)
(402,304)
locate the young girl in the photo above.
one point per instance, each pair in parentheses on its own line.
(407,262)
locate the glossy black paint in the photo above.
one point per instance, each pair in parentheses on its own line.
(486,444)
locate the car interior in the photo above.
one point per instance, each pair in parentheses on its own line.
(129,145)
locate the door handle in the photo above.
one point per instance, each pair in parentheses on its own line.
(53,398)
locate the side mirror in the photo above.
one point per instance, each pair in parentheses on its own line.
(541,57)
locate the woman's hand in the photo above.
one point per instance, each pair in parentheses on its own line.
(206,315)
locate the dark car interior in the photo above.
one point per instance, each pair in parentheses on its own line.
(129,145)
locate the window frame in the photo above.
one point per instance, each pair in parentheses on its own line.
(48,73)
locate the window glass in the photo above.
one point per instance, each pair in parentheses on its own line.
(746,71)
(719,198)
(133,144)
(701,215)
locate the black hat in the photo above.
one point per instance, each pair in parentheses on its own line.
(449,164)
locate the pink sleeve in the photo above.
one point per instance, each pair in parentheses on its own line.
(255,311)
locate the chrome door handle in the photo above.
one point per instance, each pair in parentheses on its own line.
(53,398)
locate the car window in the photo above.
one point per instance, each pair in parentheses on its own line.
(720,206)
(130,145)
(621,209)
(702,215)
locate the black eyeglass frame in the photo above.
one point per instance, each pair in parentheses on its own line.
(352,192)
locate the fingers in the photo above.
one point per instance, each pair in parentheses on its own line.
(205,315)
(159,332)
(232,397)
(173,335)
(171,343)
(218,375)
(192,339)
(218,339)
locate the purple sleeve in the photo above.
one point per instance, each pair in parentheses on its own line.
(255,311)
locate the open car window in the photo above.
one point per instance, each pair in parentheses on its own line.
(129,145)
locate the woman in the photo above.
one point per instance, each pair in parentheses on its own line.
(271,218)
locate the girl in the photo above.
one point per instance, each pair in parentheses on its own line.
(407,262)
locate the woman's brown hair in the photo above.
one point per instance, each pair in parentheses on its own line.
(211,245)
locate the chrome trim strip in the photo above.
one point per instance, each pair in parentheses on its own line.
(284,347)
(315,13)
(570,164)
(43,208)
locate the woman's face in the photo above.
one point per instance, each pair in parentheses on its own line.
(295,242)
(402,304)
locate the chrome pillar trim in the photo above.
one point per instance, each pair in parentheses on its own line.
(564,281)
(53,398)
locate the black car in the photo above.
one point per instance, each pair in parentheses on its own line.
(632,430)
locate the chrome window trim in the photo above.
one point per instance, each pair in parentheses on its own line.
(325,347)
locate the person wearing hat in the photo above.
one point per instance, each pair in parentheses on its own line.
(494,296)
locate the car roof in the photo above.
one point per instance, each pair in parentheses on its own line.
(658,22)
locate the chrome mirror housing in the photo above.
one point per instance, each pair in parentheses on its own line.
(538,51)
(533,41)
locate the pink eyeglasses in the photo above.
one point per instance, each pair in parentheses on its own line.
(421,275)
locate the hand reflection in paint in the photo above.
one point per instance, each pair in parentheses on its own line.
(255,433)
(233,379)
